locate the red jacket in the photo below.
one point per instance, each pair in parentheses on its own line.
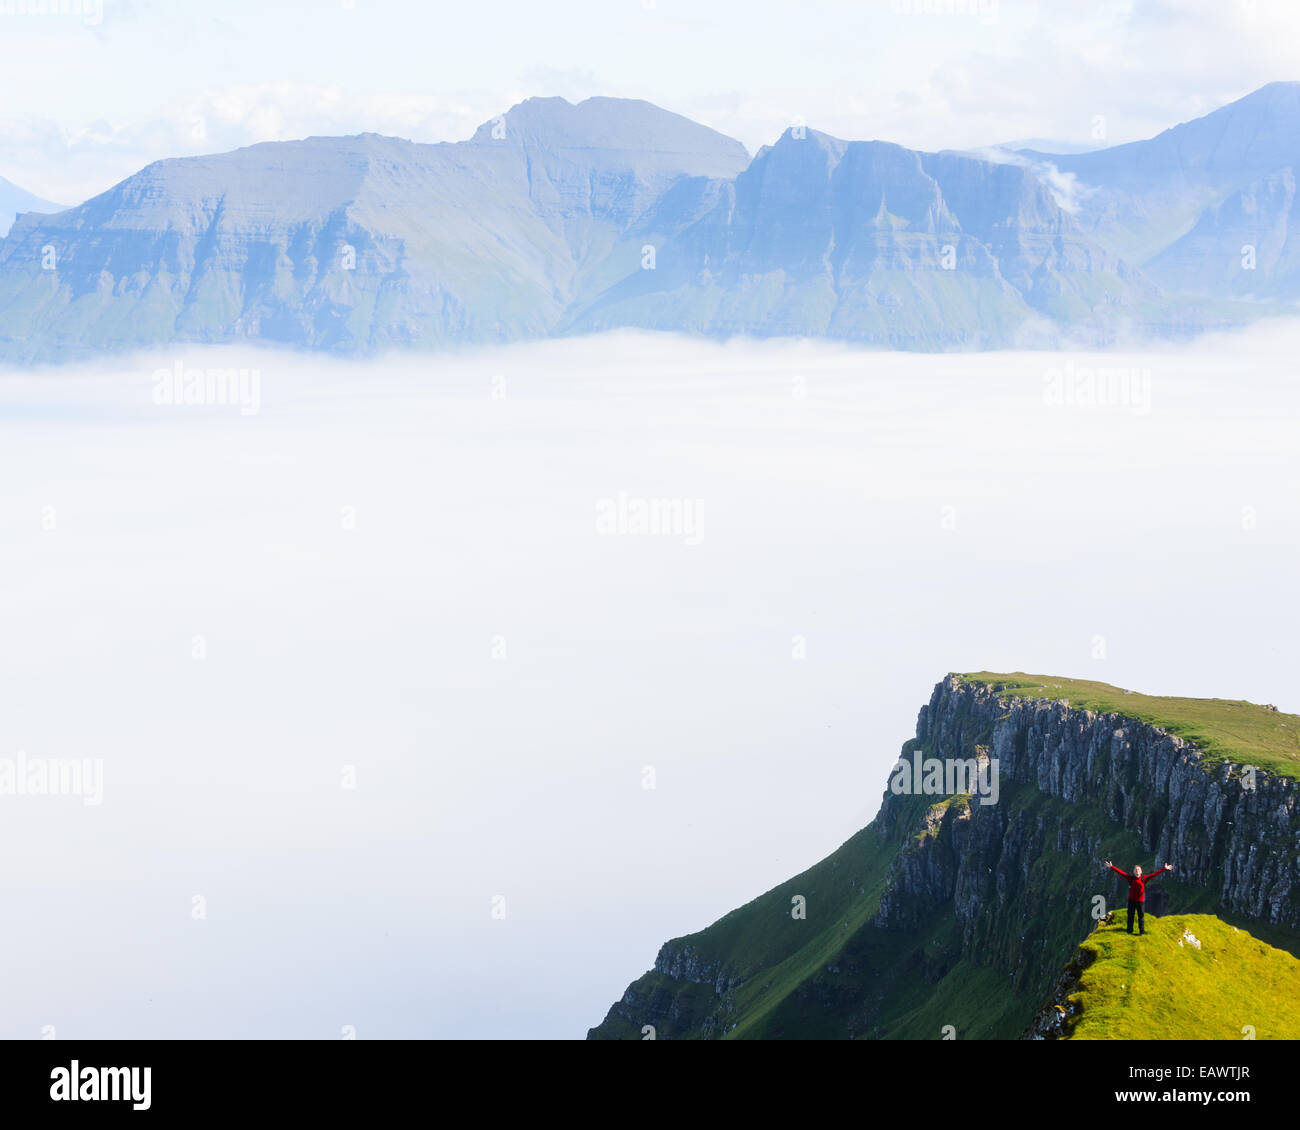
(1137,884)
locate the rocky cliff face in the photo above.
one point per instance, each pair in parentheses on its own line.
(1020,875)
(1240,843)
(948,911)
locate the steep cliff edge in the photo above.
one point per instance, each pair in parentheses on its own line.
(953,914)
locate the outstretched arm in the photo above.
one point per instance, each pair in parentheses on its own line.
(1157,874)
(1118,871)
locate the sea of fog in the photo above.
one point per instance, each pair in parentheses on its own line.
(428,697)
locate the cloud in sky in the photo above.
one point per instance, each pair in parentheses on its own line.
(1065,188)
(153,82)
(74,161)
(904,518)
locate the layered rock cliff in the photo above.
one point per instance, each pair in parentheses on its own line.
(1237,842)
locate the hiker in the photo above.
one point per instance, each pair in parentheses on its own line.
(1137,892)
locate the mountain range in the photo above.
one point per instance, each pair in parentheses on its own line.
(964,912)
(559,219)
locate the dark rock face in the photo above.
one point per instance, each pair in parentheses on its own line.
(687,965)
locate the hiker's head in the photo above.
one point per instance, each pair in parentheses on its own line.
(1137,870)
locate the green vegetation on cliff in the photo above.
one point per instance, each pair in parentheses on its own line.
(1244,733)
(1192,977)
(948,916)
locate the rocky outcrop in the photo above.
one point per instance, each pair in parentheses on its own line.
(1052,1021)
(686,964)
(657,1002)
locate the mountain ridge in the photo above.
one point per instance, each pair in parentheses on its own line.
(557,218)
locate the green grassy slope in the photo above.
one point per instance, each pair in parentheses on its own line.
(835,975)
(762,944)
(1163,987)
(1225,730)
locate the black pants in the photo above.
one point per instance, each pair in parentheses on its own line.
(1142,921)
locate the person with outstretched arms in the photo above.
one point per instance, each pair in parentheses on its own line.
(1137,892)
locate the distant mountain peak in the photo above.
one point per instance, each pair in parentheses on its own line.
(805,135)
(1287,90)
(616,125)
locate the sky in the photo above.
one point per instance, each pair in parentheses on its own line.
(90,92)
(363,660)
